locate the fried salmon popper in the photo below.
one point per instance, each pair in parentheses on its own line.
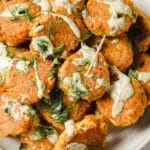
(108,17)
(26,76)
(43,137)
(84,75)
(15,18)
(56,34)
(91,131)
(15,118)
(125,102)
(141,72)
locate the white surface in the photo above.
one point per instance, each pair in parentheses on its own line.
(131,138)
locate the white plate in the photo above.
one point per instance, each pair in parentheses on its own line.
(131,138)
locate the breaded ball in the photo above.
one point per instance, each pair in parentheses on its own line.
(42,137)
(90,131)
(142,65)
(67,6)
(133,108)
(118,52)
(77,109)
(76,82)
(15,30)
(61,32)
(15,118)
(109,18)
(29,77)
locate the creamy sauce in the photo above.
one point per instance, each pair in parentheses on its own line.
(69,126)
(16,110)
(38,28)
(67,5)
(115,41)
(99,83)
(71,24)
(22,66)
(53,137)
(76,146)
(118,10)
(39,83)
(143,76)
(5,64)
(122,90)
(48,44)
(76,84)
(44,4)
(80,61)
(34,136)
(3,49)
(88,55)
(16,10)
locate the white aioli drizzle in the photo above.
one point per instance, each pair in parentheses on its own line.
(122,90)
(67,5)
(40,84)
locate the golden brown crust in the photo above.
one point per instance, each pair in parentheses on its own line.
(16,32)
(119,54)
(133,108)
(42,144)
(19,83)
(142,62)
(90,131)
(11,126)
(59,31)
(97,16)
(101,71)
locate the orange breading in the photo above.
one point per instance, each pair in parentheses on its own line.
(89,131)
(16,31)
(133,108)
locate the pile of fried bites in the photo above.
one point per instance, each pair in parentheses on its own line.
(69,69)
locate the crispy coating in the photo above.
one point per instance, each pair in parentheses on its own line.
(89,131)
(77,109)
(14,126)
(100,71)
(22,84)
(133,108)
(97,15)
(72,6)
(59,32)
(141,64)
(15,32)
(118,52)
(43,144)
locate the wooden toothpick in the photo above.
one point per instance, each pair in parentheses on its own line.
(96,54)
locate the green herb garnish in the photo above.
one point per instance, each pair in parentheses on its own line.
(10,53)
(42,44)
(58,49)
(133,74)
(86,35)
(62,116)
(50,31)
